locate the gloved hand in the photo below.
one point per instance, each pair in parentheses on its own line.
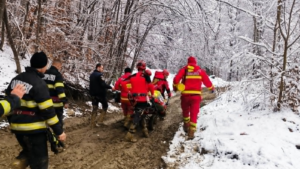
(152,99)
(174,88)
(54,141)
(212,91)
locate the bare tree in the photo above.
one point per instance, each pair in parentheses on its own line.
(2,5)
(286,31)
(38,26)
(11,42)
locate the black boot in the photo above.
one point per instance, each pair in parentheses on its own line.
(145,129)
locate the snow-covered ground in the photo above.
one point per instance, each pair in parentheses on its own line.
(231,136)
(8,67)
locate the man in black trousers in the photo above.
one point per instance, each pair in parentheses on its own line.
(98,89)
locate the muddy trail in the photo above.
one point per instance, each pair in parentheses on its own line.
(104,147)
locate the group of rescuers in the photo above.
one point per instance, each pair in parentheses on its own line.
(35,100)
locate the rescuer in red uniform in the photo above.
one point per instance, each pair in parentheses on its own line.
(125,103)
(189,80)
(140,87)
(161,84)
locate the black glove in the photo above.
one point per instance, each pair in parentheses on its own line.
(212,91)
(152,100)
(54,142)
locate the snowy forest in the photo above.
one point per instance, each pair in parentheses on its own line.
(256,42)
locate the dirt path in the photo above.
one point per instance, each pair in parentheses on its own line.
(104,147)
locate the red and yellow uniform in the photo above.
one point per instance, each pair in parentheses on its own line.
(120,85)
(140,87)
(161,84)
(192,77)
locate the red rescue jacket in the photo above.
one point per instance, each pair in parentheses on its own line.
(140,86)
(192,76)
(119,85)
(161,84)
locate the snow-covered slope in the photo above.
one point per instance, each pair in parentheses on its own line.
(8,70)
(232,137)
(8,67)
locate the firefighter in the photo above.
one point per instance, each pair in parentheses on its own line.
(12,101)
(189,80)
(30,121)
(140,86)
(98,89)
(55,85)
(125,104)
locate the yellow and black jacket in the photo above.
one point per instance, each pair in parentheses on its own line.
(54,80)
(36,112)
(9,103)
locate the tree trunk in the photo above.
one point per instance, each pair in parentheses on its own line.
(149,27)
(2,6)
(11,42)
(286,36)
(137,42)
(281,86)
(230,71)
(274,45)
(125,47)
(25,17)
(2,36)
(38,26)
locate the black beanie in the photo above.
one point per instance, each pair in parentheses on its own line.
(127,70)
(38,60)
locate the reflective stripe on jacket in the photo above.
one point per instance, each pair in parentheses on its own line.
(9,103)
(36,99)
(141,85)
(55,84)
(192,76)
(119,85)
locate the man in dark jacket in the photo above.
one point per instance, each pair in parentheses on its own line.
(12,101)
(55,84)
(29,122)
(98,89)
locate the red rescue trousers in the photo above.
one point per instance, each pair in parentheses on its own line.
(127,108)
(190,105)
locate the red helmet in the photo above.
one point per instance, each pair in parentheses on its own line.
(148,72)
(141,65)
(165,72)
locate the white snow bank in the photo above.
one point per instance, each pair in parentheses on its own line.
(238,139)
